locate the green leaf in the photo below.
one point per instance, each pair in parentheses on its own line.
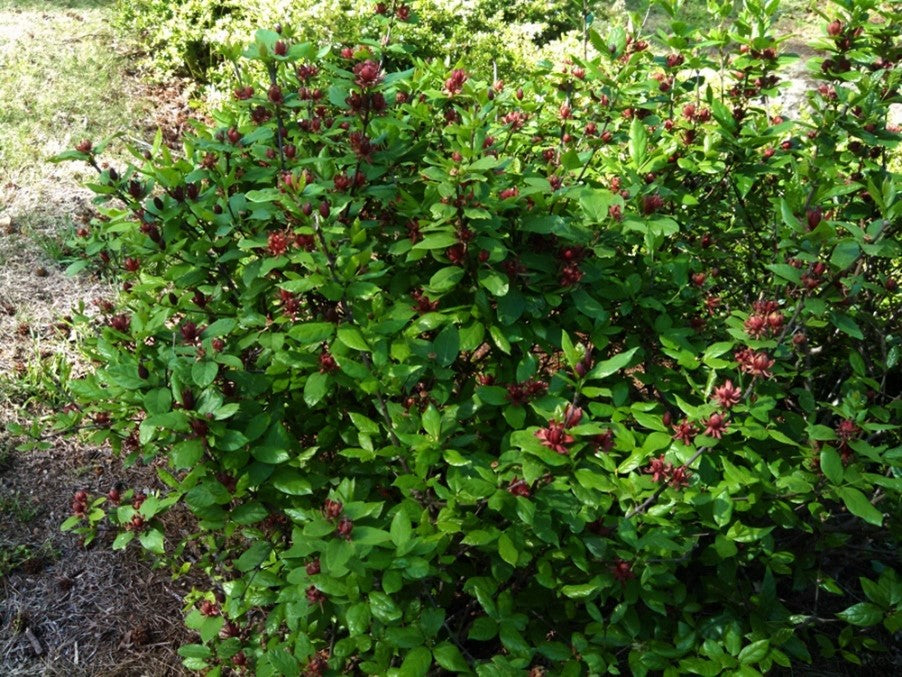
(700,666)
(352,338)
(123,539)
(220,327)
(253,556)
(831,465)
(595,203)
(754,652)
(363,423)
(249,513)
(383,608)
(204,373)
(416,663)
(437,241)
(283,662)
(581,591)
(786,271)
(158,401)
(611,366)
(449,657)
(210,627)
(447,345)
(312,333)
(571,354)
(369,536)
(432,422)
(315,388)
(860,506)
(500,339)
(291,482)
(513,640)
(186,454)
(863,614)
(495,282)
(846,325)
(358,618)
(845,254)
(484,163)
(508,550)
(152,540)
(638,142)
(400,529)
(446,279)
(195,651)
(789,218)
(483,629)
(877,593)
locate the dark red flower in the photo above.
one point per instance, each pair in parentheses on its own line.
(623,571)
(423,304)
(603,441)
(554,437)
(455,83)
(519,487)
(659,469)
(367,74)
(345,527)
(327,363)
(679,477)
(684,431)
(516,119)
(727,395)
(190,332)
(756,363)
(278,243)
(520,393)
(846,430)
(755,325)
(121,323)
(315,596)
(332,509)
(651,203)
(715,426)
(572,416)
(456,254)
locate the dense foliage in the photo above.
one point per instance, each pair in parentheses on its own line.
(202,37)
(593,371)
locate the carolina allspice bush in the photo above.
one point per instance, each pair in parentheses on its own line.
(597,371)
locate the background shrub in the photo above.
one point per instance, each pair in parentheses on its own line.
(198,37)
(589,371)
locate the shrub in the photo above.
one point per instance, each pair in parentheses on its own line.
(591,372)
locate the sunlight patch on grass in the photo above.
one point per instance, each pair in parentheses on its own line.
(63,80)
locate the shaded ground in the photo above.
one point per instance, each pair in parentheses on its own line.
(65,609)
(70,610)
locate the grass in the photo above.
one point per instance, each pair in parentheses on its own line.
(64,78)
(54,97)
(18,507)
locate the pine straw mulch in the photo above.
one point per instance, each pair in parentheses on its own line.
(71,610)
